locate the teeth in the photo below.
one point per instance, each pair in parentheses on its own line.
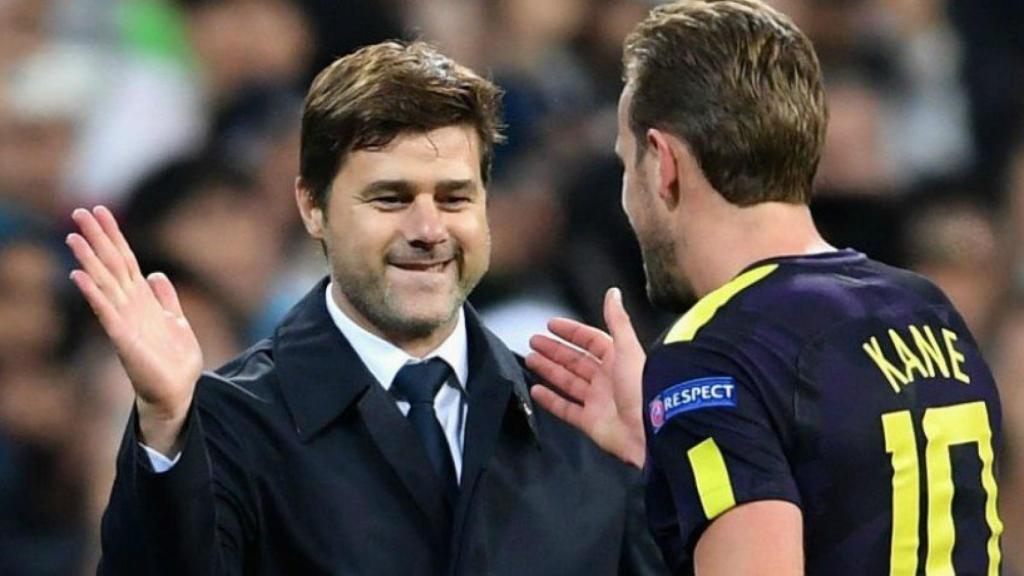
(421,268)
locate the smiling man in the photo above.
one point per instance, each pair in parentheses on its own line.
(382,429)
(406,251)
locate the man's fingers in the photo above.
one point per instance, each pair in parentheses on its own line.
(560,407)
(101,306)
(581,335)
(102,246)
(165,293)
(576,361)
(97,271)
(617,320)
(558,376)
(109,225)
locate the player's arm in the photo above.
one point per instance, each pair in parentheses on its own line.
(753,539)
(721,454)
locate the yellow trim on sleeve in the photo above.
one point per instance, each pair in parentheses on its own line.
(703,311)
(713,484)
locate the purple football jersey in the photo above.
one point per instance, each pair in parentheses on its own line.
(847,387)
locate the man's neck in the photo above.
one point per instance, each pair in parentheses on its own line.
(735,237)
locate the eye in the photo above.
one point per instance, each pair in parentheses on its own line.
(388,201)
(454,201)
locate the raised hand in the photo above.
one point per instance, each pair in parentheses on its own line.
(598,378)
(143,318)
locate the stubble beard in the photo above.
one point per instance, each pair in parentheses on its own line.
(665,287)
(394,314)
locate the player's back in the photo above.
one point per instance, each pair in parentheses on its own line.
(845,386)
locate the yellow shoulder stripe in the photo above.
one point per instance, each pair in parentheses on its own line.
(704,310)
(712,477)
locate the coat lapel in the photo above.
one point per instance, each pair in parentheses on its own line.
(397,442)
(322,377)
(497,390)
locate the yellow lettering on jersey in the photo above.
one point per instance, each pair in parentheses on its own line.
(928,346)
(956,359)
(891,373)
(944,428)
(910,361)
(927,358)
(906,492)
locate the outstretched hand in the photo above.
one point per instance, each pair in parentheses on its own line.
(145,323)
(597,377)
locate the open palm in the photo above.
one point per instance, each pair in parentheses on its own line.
(142,317)
(597,377)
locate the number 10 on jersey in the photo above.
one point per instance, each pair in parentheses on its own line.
(943,428)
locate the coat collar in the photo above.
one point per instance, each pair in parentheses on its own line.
(320,373)
(489,356)
(322,376)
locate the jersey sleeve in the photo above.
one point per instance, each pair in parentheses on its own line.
(711,439)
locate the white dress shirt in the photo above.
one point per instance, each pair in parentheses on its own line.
(383,359)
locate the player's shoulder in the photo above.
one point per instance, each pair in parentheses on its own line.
(796,297)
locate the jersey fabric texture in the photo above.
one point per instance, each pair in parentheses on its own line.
(847,387)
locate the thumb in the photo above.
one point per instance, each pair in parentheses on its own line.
(617,320)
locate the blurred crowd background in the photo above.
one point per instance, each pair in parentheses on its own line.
(182,116)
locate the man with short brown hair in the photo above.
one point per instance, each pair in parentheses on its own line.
(382,429)
(742,89)
(815,412)
(362,100)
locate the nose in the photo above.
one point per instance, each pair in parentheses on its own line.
(424,222)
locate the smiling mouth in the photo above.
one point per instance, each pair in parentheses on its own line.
(422,266)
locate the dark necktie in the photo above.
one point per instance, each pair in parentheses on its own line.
(418,384)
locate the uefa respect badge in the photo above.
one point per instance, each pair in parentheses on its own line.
(696,394)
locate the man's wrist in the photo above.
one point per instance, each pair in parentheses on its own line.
(160,429)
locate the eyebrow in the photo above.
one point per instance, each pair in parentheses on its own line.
(400,186)
(407,187)
(454,185)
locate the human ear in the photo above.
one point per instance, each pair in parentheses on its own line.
(312,215)
(666,167)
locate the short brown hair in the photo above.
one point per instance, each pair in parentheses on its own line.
(365,99)
(741,85)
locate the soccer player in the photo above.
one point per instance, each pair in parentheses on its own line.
(815,411)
